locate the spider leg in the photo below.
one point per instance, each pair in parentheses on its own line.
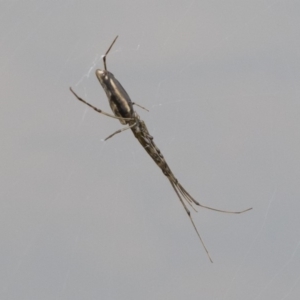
(188,196)
(97,109)
(134,103)
(189,214)
(104,56)
(120,130)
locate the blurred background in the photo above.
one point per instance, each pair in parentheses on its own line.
(86,219)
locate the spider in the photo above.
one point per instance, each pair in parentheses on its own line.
(123,110)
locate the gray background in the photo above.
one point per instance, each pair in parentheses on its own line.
(85,219)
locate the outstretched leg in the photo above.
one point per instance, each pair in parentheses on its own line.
(97,109)
(104,56)
(190,199)
(134,103)
(189,214)
(120,130)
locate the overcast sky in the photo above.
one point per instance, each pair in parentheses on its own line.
(81,218)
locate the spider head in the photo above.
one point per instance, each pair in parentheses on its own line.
(104,77)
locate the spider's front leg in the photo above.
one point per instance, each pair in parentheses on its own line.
(97,109)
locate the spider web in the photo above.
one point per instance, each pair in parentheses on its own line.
(83,218)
